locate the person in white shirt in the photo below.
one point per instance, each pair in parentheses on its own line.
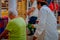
(33,10)
(47,24)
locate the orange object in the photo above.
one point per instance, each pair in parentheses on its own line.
(5,13)
(32,26)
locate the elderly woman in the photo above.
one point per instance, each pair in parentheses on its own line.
(16,28)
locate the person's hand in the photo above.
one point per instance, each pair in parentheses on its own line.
(37,21)
(32,26)
(34,38)
(5,36)
(30,10)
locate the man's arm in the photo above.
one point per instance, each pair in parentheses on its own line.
(7,29)
(42,23)
(4,34)
(31,10)
(33,7)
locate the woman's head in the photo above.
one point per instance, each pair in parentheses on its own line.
(13,14)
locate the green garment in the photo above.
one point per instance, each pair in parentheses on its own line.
(30,27)
(17,29)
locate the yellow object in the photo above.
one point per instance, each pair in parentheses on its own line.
(4,13)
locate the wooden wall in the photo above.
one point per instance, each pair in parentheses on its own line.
(21,5)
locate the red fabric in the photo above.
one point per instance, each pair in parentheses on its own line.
(51,6)
(1,25)
(3,22)
(4,16)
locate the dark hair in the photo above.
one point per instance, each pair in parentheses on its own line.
(32,20)
(42,3)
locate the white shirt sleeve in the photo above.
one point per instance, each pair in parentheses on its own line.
(42,22)
(34,4)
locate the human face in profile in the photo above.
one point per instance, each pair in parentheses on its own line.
(38,6)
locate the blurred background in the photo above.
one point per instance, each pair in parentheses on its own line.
(25,5)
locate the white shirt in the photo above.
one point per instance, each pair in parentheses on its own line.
(35,12)
(48,23)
